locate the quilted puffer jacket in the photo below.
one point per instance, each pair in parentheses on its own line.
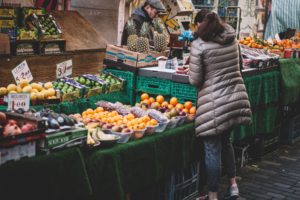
(222,98)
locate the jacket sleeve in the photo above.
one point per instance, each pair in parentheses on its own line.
(196,75)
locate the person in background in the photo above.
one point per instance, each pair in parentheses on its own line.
(146,13)
(222,99)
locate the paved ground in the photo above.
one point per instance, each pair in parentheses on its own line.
(277,176)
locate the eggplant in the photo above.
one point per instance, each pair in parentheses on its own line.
(68,120)
(60,120)
(53,124)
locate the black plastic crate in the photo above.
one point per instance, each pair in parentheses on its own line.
(183,184)
(291,130)
(24,47)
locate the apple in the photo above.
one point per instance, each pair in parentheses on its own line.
(27,127)
(116,129)
(126,130)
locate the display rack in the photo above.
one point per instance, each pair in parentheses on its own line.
(228,10)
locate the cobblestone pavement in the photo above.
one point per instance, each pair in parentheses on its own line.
(276,176)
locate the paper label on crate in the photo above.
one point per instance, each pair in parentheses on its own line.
(64,69)
(18,100)
(22,72)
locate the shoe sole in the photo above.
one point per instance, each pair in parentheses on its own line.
(231,198)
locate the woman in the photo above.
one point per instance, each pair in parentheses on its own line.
(222,98)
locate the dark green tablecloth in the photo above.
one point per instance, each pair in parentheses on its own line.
(139,164)
(290,74)
(58,176)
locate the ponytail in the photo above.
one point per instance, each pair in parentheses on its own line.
(210,27)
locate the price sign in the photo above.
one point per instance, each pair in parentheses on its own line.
(64,69)
(18,100)
(22,72)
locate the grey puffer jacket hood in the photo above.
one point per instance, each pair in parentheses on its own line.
(222,98)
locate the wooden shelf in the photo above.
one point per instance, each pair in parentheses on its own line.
(79,34)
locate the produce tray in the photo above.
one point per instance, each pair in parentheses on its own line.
(23,137)
(112,87)
(153,85)
(184,91)
(63,139)
(130,82)
(8,13)
(8,23)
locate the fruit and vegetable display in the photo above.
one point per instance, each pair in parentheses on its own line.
(272,46)
(258,58)
(38,91)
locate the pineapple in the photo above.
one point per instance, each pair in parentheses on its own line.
(160,39)
(143,41)
(132,38)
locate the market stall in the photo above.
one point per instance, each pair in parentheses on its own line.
(88,131)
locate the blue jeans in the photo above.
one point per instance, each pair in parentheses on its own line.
(215,149)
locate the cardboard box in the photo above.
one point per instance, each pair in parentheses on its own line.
(63,139)
(124,56)
(17,152)
(178,7)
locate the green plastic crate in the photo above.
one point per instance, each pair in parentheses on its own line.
(184,92)
(270,87)
(242,132)
(183,100)
(254,89)
(130,82)
(267,119)
(153,85)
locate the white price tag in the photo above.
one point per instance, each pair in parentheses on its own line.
(64,69)
(18,100)
(22,72)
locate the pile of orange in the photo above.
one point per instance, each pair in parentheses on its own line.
(251,42)
(113,117)
(187,107)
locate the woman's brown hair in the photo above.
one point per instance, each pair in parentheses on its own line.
(210,27)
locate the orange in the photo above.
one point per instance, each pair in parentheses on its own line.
(153,122)
(173,101)
(146,101)
(165,103)
(179,105)
(188,105)
(160,99)
(99,109)
(144,96)
(193,110)
(185,110)
(89,111)
(151,99)
(170,106)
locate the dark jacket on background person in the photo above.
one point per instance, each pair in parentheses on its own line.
(222,98)
(139,16)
